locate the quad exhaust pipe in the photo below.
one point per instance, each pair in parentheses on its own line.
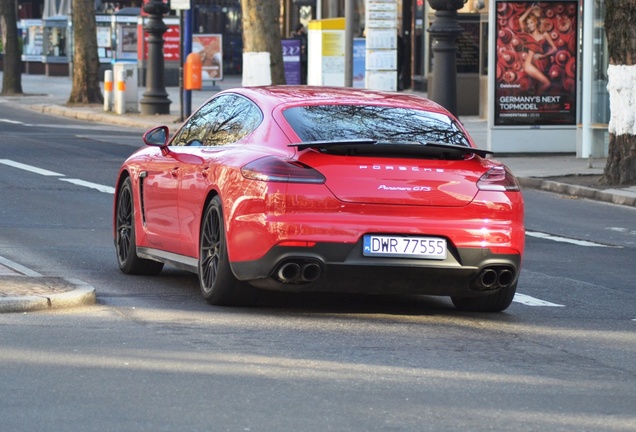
(288,272)
(491,278)
(298,271)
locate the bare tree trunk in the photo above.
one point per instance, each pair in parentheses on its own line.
(86,88)
(12,66)
(261,42)
(620,17)
(621,162)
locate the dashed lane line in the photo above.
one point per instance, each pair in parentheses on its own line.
(531,301)
(30,168)
(99,187)
(546,236)
(78,182)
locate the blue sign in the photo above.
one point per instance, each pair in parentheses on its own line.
(291,61)
(359,60)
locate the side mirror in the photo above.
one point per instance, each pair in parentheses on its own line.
(157,136)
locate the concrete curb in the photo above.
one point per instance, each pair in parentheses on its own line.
(130,120)
(81,294)
(612,196)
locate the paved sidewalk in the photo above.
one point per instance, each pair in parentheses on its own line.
(22,290)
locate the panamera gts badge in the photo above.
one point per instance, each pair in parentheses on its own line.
(406,188)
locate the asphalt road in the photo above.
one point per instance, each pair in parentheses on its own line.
(152,355)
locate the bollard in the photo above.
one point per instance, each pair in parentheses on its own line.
(120,92)
(108,90)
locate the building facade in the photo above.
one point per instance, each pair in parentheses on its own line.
(476,47)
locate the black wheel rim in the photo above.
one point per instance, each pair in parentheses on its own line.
(210,249)
(124,224)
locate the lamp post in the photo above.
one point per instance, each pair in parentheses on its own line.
(155,98)
(444,31)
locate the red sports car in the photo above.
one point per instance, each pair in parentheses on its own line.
(301,188)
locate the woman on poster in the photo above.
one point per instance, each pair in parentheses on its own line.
(536,42)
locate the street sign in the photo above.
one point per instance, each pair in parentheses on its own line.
(179,4)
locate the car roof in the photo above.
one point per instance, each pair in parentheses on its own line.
(269,97)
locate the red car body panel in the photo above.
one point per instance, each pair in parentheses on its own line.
(361,195)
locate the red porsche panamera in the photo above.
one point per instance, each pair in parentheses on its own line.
(303,188)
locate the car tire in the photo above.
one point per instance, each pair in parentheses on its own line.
(496,302)
(218,284)
(125,240)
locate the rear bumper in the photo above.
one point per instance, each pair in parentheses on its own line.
(343,268)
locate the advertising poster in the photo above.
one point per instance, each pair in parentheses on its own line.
(381,62)
(128,38)
(104,44)
(33,36)
(291,60)
(359,62)
(171,41)
(210,49)
(536,63)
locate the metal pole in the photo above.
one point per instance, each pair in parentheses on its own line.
(587,135)
(155,98)
(445,30)
(348,43)
(187,49)
(181,66)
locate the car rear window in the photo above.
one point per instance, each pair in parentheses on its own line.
(390,124)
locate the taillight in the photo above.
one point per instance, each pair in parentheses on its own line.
(499,179)
(274,169)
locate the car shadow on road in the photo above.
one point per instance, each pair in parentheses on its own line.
(177,289)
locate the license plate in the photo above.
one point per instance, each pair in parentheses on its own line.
(404,247)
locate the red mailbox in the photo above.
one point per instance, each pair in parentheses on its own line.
(192,73)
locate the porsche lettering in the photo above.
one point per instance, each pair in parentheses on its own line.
(400,168)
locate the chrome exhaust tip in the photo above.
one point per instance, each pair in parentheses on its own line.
(488,278)
(311,272)
(288,272)
(505,278)
(495,277)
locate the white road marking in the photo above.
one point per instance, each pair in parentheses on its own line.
(101,188)
(531,301)
(546,236)
(18,268)
(78,182)
(617,229)
(60,126)
(621,230)
(30,168)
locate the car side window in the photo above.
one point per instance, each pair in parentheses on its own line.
(223,120)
